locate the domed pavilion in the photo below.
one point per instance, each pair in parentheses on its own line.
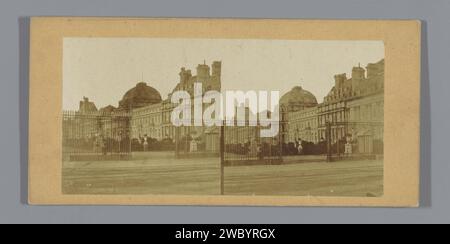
(297,99)
(140,96)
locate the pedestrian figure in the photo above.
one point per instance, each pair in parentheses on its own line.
(300,147)
(145,143)
(260,152)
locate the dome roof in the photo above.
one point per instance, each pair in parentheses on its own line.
(140,96)
(298,99)
(108,109)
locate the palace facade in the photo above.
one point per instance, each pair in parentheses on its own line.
(353,108)
(154,118)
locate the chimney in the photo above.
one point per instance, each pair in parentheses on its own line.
(217,68)
(358,73)
(340,80)
(202,72)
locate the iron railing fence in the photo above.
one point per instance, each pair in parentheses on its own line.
(96,135)
(244,145)
(197,141)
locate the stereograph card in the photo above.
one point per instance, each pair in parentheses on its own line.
(224,112)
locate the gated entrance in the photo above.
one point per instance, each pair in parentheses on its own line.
(243,145)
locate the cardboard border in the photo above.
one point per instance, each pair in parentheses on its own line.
(402,100)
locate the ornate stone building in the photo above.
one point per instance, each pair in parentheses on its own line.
(303,125)
(366,122)
(151,115)
(117,123)
(298,115)
(82,124)
(353,107)
(87,119)
(147,121)
(168,130)
(88,123)
(210,78)
(297,99)
(87,106)
(140,96)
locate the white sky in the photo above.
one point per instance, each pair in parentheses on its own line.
(103,69)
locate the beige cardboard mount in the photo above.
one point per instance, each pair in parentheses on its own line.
(402,100)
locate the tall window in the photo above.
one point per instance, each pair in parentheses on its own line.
(357,113)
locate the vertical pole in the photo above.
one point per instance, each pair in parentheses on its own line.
(328,136)
(222,160)
(338,144)
(177,142)
(281,142)
(111,136)
(129,135)
(119,136)
(187,133)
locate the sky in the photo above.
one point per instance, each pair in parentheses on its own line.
(103,69)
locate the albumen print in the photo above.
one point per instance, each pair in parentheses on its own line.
(223,116)
(224,112)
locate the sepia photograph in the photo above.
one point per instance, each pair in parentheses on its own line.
(196,116)
(224,112)
(224,120)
